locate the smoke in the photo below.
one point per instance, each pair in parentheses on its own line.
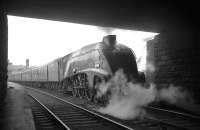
(127,100)
(107,30)
(174,94)
(150,67)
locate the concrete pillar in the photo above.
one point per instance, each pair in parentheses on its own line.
(3,54)
(176,57)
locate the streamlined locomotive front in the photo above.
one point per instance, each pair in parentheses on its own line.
(120,56)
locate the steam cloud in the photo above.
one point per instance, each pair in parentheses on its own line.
(127,100)
(173,94)
(107,30)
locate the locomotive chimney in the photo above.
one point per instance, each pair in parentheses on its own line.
(27,63)
(110,40)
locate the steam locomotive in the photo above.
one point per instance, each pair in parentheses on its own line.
(78,72)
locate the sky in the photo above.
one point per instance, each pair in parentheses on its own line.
(42,41)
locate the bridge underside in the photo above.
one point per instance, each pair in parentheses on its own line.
(131,14)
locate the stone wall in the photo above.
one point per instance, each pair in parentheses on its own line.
(176,57)
(3,54)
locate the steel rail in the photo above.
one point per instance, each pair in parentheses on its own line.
(175,112)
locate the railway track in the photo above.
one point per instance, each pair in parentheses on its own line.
(74,117)
(173,118)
